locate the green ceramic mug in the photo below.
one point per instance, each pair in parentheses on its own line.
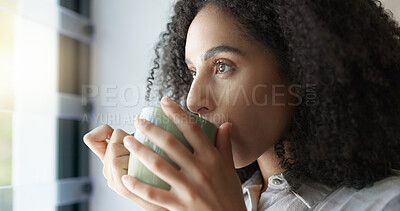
(157,116)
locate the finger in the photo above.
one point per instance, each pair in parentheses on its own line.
(187,125)
(120,168)
(96,140)
(117,138)
(175,150)
(155,163)
(136,118)
(115,149)
(223,143)
(120,164)
(114,169)
(157,196)
(113,152)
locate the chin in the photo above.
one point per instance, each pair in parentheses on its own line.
(240,162)
(241,154)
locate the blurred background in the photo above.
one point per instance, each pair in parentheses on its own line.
(66,67)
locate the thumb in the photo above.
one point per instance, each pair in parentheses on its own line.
(223,142)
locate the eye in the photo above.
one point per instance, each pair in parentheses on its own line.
(222,67)
(192,72)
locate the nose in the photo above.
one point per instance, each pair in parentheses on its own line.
(200,99)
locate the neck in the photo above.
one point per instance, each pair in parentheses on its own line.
(269,165)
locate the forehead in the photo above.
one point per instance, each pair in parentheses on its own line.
(212,27)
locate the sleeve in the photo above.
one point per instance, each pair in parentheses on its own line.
(393,204)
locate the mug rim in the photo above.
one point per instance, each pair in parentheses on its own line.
(191,113)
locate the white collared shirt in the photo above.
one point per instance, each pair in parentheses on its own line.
(383,195)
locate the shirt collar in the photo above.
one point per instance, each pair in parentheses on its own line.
(308,193)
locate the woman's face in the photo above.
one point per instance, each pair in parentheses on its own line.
(236,80)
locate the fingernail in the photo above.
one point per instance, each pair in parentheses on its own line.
(141,121)
(166,101)
(228,123)
(128,141)
(229,126)
(125,178)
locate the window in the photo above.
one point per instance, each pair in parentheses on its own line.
(44,61)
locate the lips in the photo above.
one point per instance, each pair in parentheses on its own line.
(215,123)
(212,120)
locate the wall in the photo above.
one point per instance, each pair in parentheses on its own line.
(394,6)
(126,31)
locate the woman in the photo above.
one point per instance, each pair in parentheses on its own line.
(308,95)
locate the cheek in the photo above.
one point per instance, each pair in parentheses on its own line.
(252,136)
(258,123)
(249,122)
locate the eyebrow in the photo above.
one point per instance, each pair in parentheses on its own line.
(218,49)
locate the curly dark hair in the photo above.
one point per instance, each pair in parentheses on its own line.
(348,50)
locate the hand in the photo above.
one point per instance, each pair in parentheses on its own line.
(207,179)
(115,159)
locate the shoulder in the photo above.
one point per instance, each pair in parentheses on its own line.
(382,195)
